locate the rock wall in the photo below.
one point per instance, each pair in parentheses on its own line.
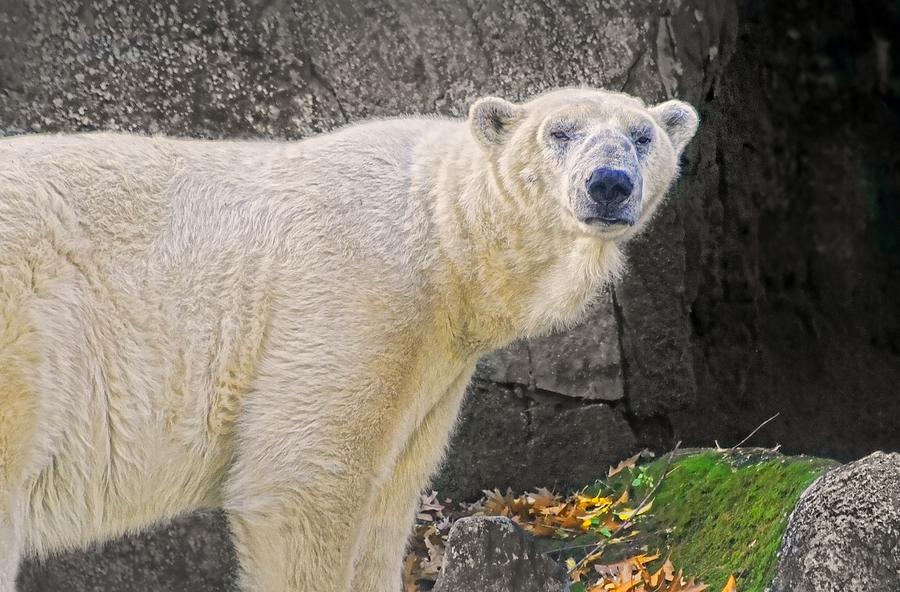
(766,284)
(792,235)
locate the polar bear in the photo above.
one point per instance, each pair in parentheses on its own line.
(285,329)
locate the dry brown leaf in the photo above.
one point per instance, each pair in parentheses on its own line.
(432,565)
(542,498)
(409,570)
(668,571)
(625,464)
(693,587)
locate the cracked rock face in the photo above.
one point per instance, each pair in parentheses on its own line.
(509,436)
(584,362)
(493,554)
(844,533)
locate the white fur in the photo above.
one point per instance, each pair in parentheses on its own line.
(284,330)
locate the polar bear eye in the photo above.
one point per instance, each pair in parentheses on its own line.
(561,136)
(643,141)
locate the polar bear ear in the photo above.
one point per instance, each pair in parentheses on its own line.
(491,119)
(679,119)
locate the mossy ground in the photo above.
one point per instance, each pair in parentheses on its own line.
(718,513)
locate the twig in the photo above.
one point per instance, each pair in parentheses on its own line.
(750,435)
(600,546)
(572,547)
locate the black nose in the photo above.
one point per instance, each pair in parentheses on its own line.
(606,185)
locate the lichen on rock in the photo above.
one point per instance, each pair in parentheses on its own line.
(845,532)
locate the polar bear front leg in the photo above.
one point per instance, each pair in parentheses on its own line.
(388,521)
(293,531)
(11,539)
(298,487)
(293,546)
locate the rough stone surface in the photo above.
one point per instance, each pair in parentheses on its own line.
(790,216)
(493,554)
(583,362)
(844,533)
(192,553)
(511,437)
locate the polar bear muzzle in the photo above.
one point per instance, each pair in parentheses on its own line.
(606,173)
(610,189)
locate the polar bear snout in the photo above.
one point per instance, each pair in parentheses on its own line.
(613,197)
(606,185)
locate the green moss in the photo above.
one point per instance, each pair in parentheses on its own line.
(714,513)
(719,514)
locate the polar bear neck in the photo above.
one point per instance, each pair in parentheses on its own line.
(510,272)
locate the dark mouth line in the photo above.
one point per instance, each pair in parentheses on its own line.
(608,221)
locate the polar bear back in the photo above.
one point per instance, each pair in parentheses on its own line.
(131,192)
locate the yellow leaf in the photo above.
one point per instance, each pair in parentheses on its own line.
(645,509)
(730,585)
(645,559)
(625,514)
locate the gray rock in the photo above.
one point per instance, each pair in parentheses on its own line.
(192,553)
(844,534)
(584,362)
(508,366)
(493,554)
(509,436)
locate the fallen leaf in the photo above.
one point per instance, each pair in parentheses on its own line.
(625,464)
(435,558)
(668,571)
(730,585)
(409,569)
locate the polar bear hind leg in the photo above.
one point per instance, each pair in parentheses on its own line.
(18,420)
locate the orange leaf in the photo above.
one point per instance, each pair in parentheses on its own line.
(730,585)
(645,559)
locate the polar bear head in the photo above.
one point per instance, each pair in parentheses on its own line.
(597,162)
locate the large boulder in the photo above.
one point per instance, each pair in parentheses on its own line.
(844,533)
(492,554)
(190,553)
